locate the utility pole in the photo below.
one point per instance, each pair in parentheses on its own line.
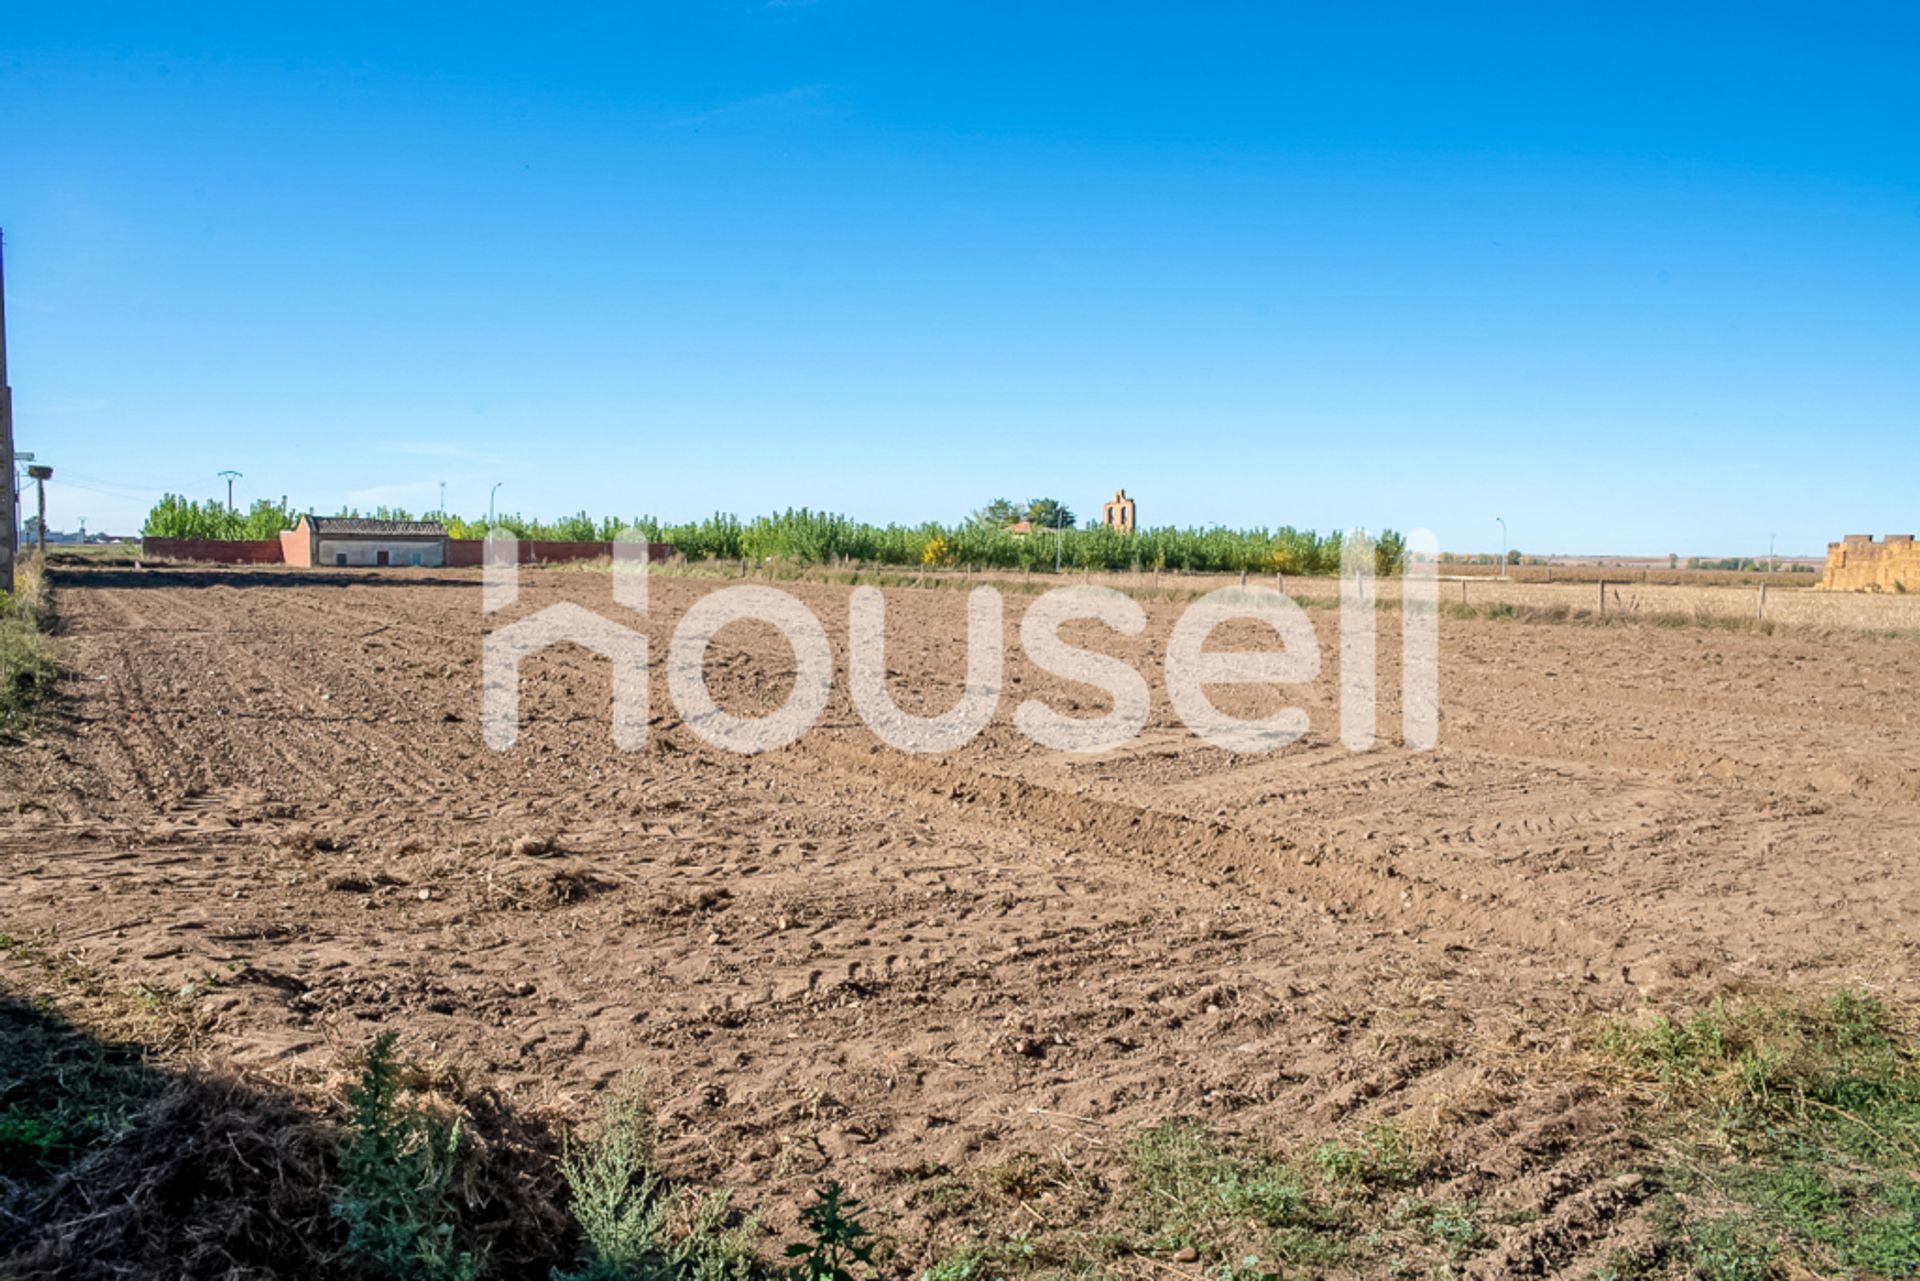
(41,474)
(443,499)
(231,477)
(1503,545)
(7,518)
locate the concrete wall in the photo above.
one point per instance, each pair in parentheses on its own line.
(1859,564)
(472,551)
(296,546)
(365,551)
(225,551)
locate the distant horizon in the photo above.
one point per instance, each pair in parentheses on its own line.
(1492,552)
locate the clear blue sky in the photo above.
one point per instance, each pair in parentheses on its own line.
(1637,278)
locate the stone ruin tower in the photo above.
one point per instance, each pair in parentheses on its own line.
(1119,514)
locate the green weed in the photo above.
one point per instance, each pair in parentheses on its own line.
(1804,1117)
(63,1095)
(840,1245)
(1381,1158)
(1190,1187)
(397,1170)
(636,1227)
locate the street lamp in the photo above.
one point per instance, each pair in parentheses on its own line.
(490,494)
(1503,545)
(231,477)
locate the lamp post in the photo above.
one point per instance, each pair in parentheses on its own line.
(490,494)
(1503,545)
(231,476)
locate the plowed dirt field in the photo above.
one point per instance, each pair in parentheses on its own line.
(839,960)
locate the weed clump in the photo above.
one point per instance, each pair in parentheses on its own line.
(27,671)
(397,1170)
(635,1227)
(1792,1131)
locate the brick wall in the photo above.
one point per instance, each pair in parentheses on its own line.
(1859,564)
(293,548)
(225,551)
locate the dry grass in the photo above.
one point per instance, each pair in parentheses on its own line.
(27,671)
(1614,603)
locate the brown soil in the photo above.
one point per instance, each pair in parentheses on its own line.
(838,961)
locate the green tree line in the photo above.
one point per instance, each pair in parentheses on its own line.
(804,536)
(177,517)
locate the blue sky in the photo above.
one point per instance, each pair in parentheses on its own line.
(1634,277)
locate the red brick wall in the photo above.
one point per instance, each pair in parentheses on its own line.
(234,551)
(472,551)
(293,548)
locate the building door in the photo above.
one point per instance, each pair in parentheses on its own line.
(381,558)
(339,558)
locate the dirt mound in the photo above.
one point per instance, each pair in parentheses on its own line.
(215,1181)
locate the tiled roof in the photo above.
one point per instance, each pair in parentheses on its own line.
(357,526)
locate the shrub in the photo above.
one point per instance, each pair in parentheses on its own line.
(627,1213)
(396,1172)
(618,1197)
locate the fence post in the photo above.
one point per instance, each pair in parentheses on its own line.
(1760,610)
(1603,598)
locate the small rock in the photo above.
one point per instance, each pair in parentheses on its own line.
(1186,1254)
